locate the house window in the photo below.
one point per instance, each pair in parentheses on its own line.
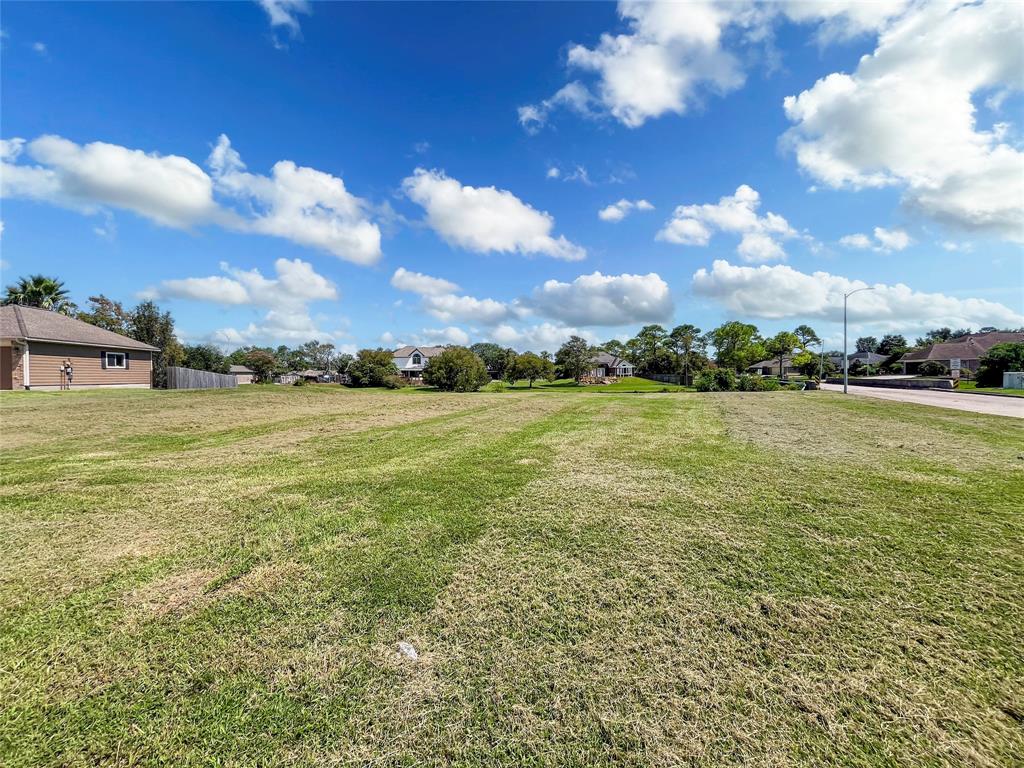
(417,360)
(115,359)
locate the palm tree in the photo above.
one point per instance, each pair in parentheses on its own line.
(42,292)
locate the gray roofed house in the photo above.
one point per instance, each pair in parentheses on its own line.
(411,361)
(864,358)
(243,374)
(606,364)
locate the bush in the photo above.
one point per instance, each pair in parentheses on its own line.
(716,380)
(300,382)
(371,368)
(932,368)
(752,382)
(456,370)
(396,381)
(495,386)
(1000,358)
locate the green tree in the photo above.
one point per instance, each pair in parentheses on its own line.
(645,350)
(617,348)
(42,292)
(151,326)
(371,368)
(686,340)
(866,344)
(107,314)
(262,363)
(892,344)
(780,345)
(532,367)
(998,359)
(456,369)
(575,358)
(497,359)
(806,336)
(317,355)
(204,357)
(342,362)
(736,344)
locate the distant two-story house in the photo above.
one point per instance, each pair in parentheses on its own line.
(606,364)
(410,361)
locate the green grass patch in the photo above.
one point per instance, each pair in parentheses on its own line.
(784,578)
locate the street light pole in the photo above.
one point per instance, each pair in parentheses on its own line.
(846,358)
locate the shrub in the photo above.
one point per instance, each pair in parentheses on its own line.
(456,370)
(395,381)
(495,386)
(371,367)
(1000,358)
(716,380)
(299,382)
(932,368)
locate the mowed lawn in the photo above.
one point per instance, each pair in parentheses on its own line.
(790,578)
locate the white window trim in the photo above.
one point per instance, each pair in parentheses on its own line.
(115,355)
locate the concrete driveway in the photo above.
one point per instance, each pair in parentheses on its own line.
(996,406)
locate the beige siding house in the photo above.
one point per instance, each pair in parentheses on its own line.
(40,349)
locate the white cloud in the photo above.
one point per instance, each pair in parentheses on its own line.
(296,284)
(618,211)
(541,337)
(605,300)
(885,240)
(953,246)
(168,189)
(574,96)
(906,117)
(673,54)
(424,285)
(780,291)
(553,173)
(301,204)
(284,14)
(735,214)
(437,337)
(40,48)
(484,219)
(286,298)
(467,308)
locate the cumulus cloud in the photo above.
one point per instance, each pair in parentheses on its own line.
(734,214)
(439,337)
(485,219)
(884,241)
(618,211)
(540,337)
(286,297)
(604,300)
(779,291)
(168,189)
(906,117)
(303,205)
(424,285)
(296,284)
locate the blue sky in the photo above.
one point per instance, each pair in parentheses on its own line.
(253,166)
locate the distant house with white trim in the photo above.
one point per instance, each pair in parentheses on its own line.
(968,350)
(606,364)
(410,361)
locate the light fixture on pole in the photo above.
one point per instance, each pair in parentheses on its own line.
(846,359)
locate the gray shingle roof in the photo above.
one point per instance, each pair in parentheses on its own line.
(426,351)
(18,322)
(239,369)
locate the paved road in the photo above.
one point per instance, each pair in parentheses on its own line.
(996,406)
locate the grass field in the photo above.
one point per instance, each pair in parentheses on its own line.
(971,386)
(772,579)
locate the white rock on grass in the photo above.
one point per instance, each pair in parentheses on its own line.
(406,649)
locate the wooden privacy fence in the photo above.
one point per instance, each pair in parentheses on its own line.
(189,378)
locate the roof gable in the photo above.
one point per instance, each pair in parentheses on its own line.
(33,324)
